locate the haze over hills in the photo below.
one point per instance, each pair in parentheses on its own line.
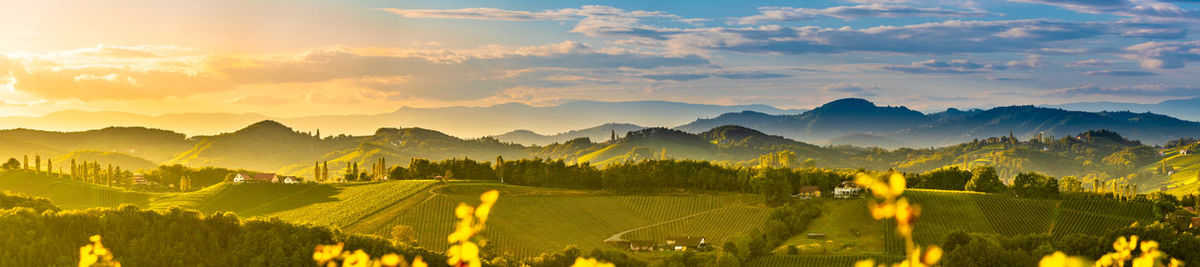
(1187,109)
(271,146)
(459,121)
(602,132)
(860,122)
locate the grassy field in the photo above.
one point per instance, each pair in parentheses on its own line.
(69,194)
(848,227)
(528,221)
(1185,180)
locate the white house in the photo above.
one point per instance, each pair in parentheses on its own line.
(847,189)
(241,178)
(291,180)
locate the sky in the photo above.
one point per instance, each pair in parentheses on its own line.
(304,57)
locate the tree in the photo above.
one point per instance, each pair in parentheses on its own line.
(229,177)
(1032,184)
(37,163)
(984,179)
(317,168)
(951,178)
(26,162)
(49,166)
(1070,184)
(11,164)
(404,235)
(449,175)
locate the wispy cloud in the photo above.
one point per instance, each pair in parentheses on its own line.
(853,12)
(1122,73)
(1148,90)
(958,66)
(1166,55)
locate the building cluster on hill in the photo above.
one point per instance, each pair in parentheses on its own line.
(670,243)
(847,189)
(266,178)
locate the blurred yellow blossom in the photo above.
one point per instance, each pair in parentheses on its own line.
(95,254)
(890,204)
(1059,259)
(586,262)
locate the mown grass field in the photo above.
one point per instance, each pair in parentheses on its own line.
(528,221)
(848,227)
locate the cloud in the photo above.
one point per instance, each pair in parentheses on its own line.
(732,75)
(933,66)
(1166,55)
(1087,63)
(480,13)
(1122,73)
(107,73)
(1148,90)
(853,12)
(856,89)
(1149,9)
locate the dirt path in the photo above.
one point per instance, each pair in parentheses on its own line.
(617,237)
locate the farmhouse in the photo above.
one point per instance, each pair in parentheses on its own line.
(256,178)
(807,192)
(292,180)
(641,245)
(682,243)
(816,236)
(847,189)
(1195,222)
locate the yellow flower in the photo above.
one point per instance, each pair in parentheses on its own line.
(489,197)
(419,262)
(357,259)
(463,211)
(325,253)
(1059,259)
(86,258)
(932,255)
(391,259)
(865,263)
(897,183)
(586,262)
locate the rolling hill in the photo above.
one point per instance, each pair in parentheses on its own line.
(602,132)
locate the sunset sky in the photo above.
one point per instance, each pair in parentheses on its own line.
(302,57)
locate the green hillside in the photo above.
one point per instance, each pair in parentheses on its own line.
(400,145)
(321,204)
(126,161)
(265,146)
(69,194)
(1182,176)
(583,218)
(943,212)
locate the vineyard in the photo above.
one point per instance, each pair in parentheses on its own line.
(943,212)
(69,194)
(818,260)
(563,218)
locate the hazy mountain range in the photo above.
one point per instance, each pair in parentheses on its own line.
(274,147)
(859,122)
(1187,109)
(458,121)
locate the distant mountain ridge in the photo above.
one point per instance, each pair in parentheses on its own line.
(599,133)
(1187,109)
(459,121)
(860,122)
